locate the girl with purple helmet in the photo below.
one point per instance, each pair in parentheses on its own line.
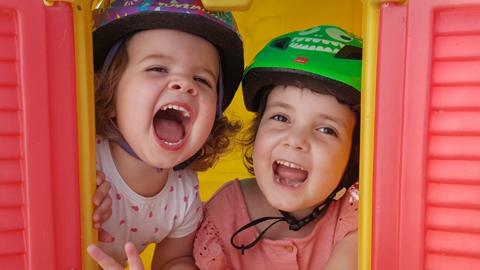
(164,73)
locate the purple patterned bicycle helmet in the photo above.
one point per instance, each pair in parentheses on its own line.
(124,17)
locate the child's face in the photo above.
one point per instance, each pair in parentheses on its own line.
(302,147)
(166,98)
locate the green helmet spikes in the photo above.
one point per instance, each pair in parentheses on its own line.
(316,57)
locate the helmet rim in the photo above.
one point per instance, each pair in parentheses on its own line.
(259,79)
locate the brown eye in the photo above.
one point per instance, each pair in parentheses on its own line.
(159,69)
(279,117)
(329,131)
(203,81)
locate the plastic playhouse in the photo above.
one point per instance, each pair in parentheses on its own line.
(420,150)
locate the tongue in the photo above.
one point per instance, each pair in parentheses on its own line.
(291,173)
(169,130)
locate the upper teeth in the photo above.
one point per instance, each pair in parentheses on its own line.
(176,107)
(290,164)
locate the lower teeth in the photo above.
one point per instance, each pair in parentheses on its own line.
(171,143)
(287,182)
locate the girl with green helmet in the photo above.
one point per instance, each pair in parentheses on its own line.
(164,73)
(300,210)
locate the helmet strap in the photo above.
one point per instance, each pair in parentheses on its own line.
(120,141)
(126,147)
(219,112)
(111,55)
(293,223)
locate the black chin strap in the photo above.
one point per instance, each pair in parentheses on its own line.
(293,224)
(243,247)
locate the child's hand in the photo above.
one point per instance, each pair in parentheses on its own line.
(102,207)
(107,263)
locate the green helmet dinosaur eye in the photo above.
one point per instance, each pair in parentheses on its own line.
(338,34)
(318,56)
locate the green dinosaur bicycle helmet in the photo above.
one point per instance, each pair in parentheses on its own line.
(123,17)
(317,57)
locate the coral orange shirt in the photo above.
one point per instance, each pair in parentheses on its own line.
(226,211)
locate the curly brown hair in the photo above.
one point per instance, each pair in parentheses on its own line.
(106,82)
(350,175)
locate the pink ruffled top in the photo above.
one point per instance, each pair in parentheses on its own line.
(227,211)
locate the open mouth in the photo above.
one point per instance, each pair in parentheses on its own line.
(289,174)
(171,125)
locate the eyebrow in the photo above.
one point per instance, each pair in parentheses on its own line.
(153,56)
(161,56)
(324,116)
(280,104)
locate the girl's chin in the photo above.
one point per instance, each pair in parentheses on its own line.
(284,203)
(290,203)
(159,160)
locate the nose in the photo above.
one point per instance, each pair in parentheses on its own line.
(298,138)
(182,84)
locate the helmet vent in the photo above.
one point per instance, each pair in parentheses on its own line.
(281,43)
(350,52)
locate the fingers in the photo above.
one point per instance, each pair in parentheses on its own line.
(108,263)
(102,201)
(104,236)
(102,212)
(105,261)
(102,191)
(134,259)
(100,178)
